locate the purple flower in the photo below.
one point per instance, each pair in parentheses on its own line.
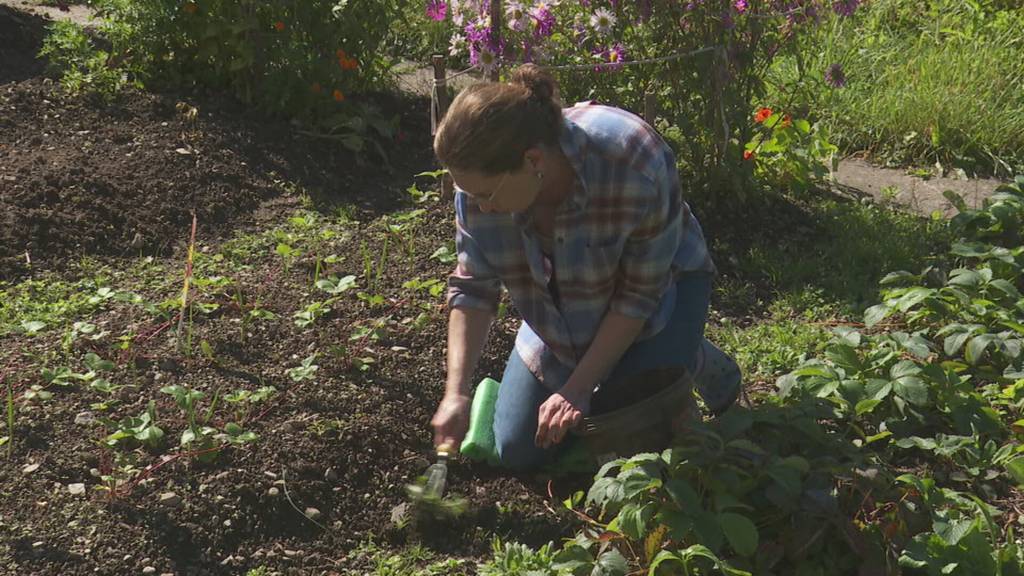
(437,9)
(834,76)
(611,57)
(740,5)
(845,7)
(543,19)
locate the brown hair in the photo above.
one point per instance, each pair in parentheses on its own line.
(490,125)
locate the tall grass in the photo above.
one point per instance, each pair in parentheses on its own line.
(939,81)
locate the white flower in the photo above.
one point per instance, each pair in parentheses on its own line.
(515,14)
(457,45)
(487,59)
(602,20)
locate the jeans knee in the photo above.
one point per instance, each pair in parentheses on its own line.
(518,453)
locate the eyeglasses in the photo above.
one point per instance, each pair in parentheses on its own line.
(490,197)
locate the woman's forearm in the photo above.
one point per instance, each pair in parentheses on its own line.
(615,335)
(467,334)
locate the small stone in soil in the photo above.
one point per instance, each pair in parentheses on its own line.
(273,491)
(30,468)
(170,499)
(149,570)
(76,489)
(313,513)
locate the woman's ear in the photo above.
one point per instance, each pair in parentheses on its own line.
(535,157)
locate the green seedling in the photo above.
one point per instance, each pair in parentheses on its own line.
(372,300)
(79,329)
(432,286)
(335,286)
(305,371)
(374,272)
(445,255)
(313,311)
(32,327)
(132,429)
(235,434)
(287,253)
(198,436)
(245,400)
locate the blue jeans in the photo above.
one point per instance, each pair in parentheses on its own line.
(521,394)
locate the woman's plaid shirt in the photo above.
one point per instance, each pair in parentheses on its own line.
(622,238)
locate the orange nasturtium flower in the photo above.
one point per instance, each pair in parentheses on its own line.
(762,115)
(338,95)
(786,121)
(748,154)
(190,7)
(279,26)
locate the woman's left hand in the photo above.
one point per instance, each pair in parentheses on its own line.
(563,410)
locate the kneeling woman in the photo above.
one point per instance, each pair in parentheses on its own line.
(578,213)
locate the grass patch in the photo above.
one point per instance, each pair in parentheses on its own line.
(787,293)
(939,81)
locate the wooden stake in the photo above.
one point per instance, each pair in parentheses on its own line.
(650,108)
(496,10)
(441,92)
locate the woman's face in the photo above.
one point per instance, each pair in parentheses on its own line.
(511,191)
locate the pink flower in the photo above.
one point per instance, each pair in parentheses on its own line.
(437,10)
(741,6)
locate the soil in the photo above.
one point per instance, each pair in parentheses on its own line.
(87,187)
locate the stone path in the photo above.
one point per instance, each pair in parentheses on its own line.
(921,195)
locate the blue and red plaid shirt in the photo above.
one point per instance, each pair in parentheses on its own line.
(620,241)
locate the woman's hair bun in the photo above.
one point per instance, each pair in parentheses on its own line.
(540,84)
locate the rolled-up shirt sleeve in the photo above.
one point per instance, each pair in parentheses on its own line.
(473,283)
(646,266)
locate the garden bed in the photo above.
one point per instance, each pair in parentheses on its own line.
(86,189)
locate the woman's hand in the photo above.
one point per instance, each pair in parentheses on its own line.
(451,421)
(563,410)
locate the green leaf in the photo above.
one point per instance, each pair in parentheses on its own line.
(913,297)
(866,406)
(876,314)
(953,532)
(740,532)
(31,327)
(912,389)
(611,563)
(954,342)
(683,495)
(976,347)
(1016,469)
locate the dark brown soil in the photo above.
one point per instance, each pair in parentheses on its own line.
(80,178)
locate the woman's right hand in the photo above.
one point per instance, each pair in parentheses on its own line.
(451,421)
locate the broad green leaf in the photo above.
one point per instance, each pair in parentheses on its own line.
(709,530)
(683,495)
(913,297)
(866,406)
(876,314)
(31,327)
(954,342)
(976,347)
(1016,469)
(912,389)
(611,563)
(953,532)
(740,532)
(904,368)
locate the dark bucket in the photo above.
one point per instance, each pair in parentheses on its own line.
(649,424)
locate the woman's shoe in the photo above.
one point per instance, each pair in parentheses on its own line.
(717,378)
